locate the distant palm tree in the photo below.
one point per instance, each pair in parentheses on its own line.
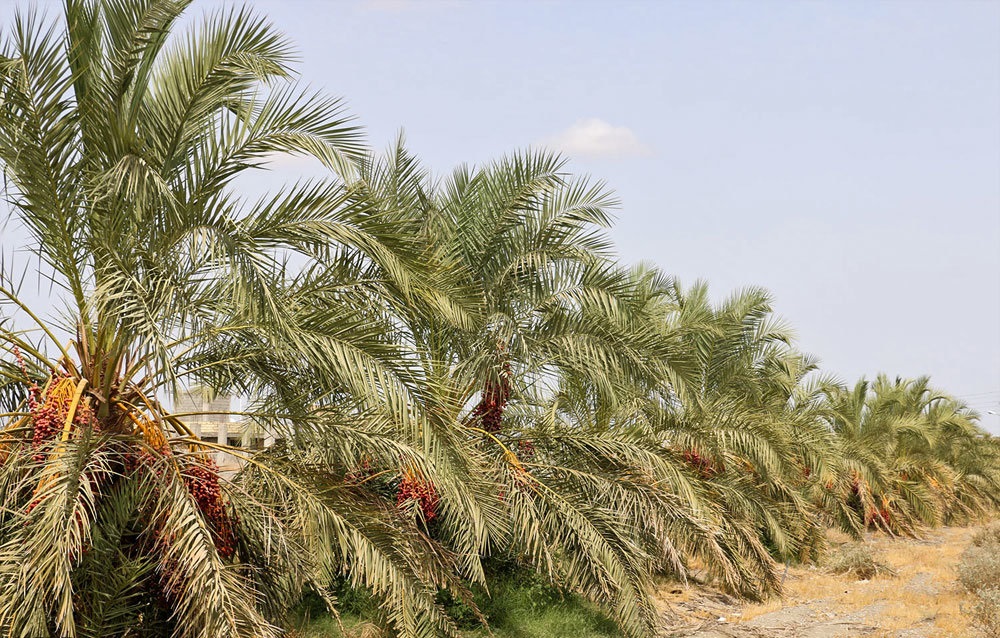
(745,422)
(907,456)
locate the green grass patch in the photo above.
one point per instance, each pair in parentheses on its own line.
(533,609)
(521,606)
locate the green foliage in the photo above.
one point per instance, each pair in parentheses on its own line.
(536,612)
(519,605)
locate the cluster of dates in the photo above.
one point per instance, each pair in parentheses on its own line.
(525,449)
(202,482)
(496,394)
(705,467)
(360,474)
(855,485)
(50,407)
(47,419)
(882,514)
(413,489)
(48,411)
(201,479)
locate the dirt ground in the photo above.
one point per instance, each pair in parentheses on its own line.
(923,599)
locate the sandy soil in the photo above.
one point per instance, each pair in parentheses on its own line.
(923,599)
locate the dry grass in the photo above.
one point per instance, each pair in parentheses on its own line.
(924,594)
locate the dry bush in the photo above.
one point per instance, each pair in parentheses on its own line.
(979,567)
(986,611)
(979,573)
(989,535)
(859,560)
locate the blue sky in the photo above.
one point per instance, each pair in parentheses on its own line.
(845,155)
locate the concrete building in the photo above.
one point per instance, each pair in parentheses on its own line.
(210,418)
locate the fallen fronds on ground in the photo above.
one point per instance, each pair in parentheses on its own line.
(858,559)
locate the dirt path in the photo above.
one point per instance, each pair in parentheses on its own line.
(923,600)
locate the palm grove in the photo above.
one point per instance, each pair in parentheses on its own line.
(458,371)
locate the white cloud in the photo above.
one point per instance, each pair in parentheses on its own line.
(593,137)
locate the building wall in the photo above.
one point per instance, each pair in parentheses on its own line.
(197,405)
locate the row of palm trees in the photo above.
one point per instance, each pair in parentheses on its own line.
(456,369)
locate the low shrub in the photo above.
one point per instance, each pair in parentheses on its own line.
(858,559)
(989,535)
(986,611)
(979,567)
(979,574)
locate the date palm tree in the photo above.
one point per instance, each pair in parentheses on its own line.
(535,300)
(744,427)
(120,143)
(908,456)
